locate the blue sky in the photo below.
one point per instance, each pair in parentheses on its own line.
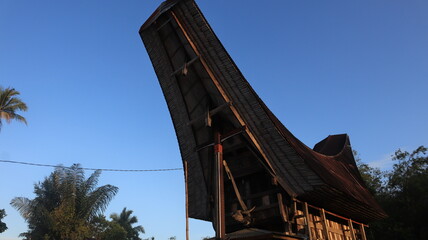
(323,67)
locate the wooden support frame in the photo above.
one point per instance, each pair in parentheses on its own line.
(223,138)
(342,227)
(283,212)
(326,231)
(336,215)
(226,98)
(211,113)
(307,220)
(163,24)
(284,216)
(235,187)
(363,232)
(187,199)
(219,184)
(325,225)
(351,229)
(180,69)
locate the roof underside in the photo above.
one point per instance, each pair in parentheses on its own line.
(198,76)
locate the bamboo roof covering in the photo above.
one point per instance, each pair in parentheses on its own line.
(200,81)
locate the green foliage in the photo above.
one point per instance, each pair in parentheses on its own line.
(114,232)
(119,228)
(99,225)
(403,194)
(3,226)
(65,204)
(102,229)
(126,221)
(373,177)
(10,104)
(107,230)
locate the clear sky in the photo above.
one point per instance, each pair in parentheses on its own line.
(323,67)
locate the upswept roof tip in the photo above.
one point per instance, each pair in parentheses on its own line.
(165,6)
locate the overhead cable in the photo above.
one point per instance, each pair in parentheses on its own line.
(93,169)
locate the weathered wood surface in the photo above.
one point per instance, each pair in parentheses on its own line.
(271,166)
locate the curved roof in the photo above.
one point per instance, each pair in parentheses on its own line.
(333,161)
(197,75)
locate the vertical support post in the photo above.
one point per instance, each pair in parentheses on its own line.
(324,224)
(317,234)
(293,223)
(219,184)
(363,232)
(187,199)
(351,229)
(282,208)
(342,227)
(308,220)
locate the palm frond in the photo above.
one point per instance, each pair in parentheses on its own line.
(139,228)
(23,205)
(90,183)
(16,103)
(3,96)
(20,118)
(133,220)
(114,217)
(99,199)
(10,105)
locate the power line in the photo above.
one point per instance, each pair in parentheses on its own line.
(93,169)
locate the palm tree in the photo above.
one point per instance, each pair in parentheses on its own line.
(3,226)
(10,104)
(64,205)
(126,221)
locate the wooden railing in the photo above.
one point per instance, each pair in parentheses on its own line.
(318,224)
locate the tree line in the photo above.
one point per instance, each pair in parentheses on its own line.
(403,194)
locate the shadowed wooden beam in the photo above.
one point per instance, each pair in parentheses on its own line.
(351,229)
(187,199)
(324,225)
(223,138)
(211,113)
(180,69)
(363,232)
(308,220)
(219,194)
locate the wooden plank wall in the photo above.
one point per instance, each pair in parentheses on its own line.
(323,226)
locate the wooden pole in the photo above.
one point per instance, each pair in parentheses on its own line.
(324,224)
(187,200)
(363,232)
(308,220)
(219,198)
(282,211)
(351,230)
(342,227)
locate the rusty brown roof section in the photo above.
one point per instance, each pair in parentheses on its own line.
(333,161)
(165,6)
(326,177)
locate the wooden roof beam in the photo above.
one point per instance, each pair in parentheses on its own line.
(210,113)
(223,138)
(184,67)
